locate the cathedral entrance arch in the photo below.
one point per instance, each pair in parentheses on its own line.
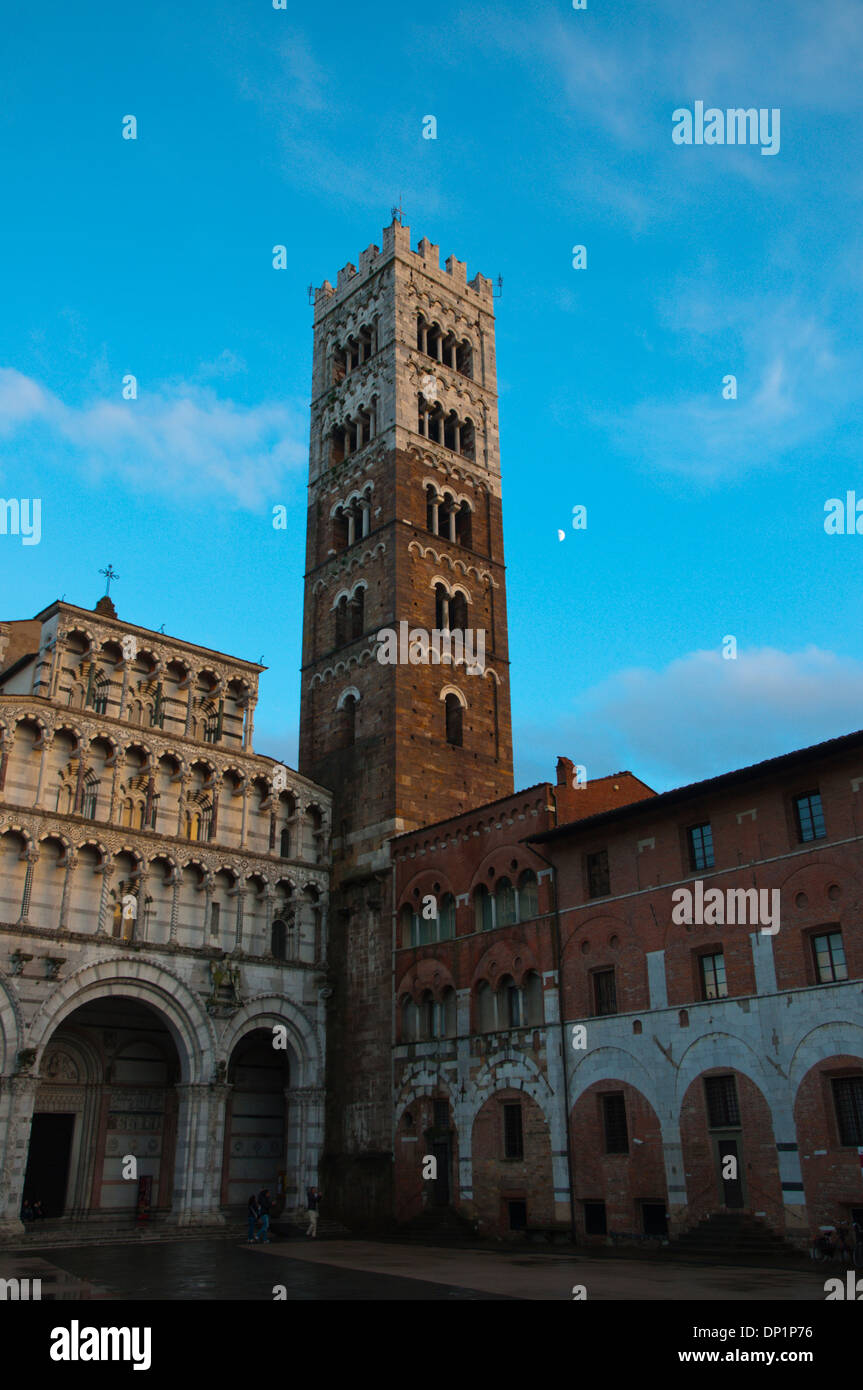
(256,1122)
(106,1093)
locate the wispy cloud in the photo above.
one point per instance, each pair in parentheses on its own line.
(793,382)
(702,715)
(178,438)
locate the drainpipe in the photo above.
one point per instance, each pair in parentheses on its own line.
(559,967)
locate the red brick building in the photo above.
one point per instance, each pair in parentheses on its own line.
(573,1051)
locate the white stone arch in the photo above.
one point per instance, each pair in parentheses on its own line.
(503,1072)
(490,671)
(453,690)
(178,1008)
(611,1063)
(829,1038)
(264,1013)
(346,693)
(721,1049)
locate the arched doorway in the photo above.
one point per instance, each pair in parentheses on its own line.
(106,1094)
(256,1123)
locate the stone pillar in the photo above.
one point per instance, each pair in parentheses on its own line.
(190,706)
(181,804)
(176,883)
(5,755)
(241,903)
(352,527)
(366,514)
(106,870)
(124,692)
(17,1099)
(44,749)
(424,338)
(69,862)
(32,856)
(435,518)
(451,520)
(250,725)
(198,1158)
(457,440)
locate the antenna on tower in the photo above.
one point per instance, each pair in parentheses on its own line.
(311,294)
(499,283)
(397,213)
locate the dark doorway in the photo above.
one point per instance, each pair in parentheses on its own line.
(517,1215)
(48,1161)
(440,1149)
(655,1218)
(731,1188)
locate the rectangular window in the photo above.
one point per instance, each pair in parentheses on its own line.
(829,954)
(614,1121)
(214,919)
(701,846)
(810,817)
(594,1219)
(598,884)
(713,985)
(513,1138)
(723,1112)
(604,992)
(848,1100)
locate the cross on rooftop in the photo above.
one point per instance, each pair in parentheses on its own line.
(109,575)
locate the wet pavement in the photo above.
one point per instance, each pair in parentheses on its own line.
(345,1269)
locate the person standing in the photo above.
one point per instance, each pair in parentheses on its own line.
(265,1203)
(313,1202)
(254,1212)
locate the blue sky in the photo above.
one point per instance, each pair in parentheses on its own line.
(303,126)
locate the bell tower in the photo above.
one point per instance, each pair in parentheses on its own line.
(404,537)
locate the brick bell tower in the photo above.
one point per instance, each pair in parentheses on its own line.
(404,527)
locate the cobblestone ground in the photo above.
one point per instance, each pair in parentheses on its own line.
(335,1269)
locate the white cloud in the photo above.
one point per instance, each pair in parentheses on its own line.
(702,715)
(178,439)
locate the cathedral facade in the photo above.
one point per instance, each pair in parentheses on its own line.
(163,914)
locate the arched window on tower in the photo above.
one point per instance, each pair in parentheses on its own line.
(458,619)
(349,721)
(454,723)
(441,608)
(427,1015)
(410,1030)
(358,608)
(448,1010)
(90,796)
(464,525)
(340,634)
(340,530)
(431,510)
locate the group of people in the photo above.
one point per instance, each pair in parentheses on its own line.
(259,1214)
(32,1211)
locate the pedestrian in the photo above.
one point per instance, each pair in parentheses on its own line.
(313,1202)
(265,1202)
(254,1213)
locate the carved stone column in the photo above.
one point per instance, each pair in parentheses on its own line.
(69,862)
(31,856)
(44,746)
(106,870)
(177,883)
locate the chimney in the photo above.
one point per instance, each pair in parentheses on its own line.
(565,769)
